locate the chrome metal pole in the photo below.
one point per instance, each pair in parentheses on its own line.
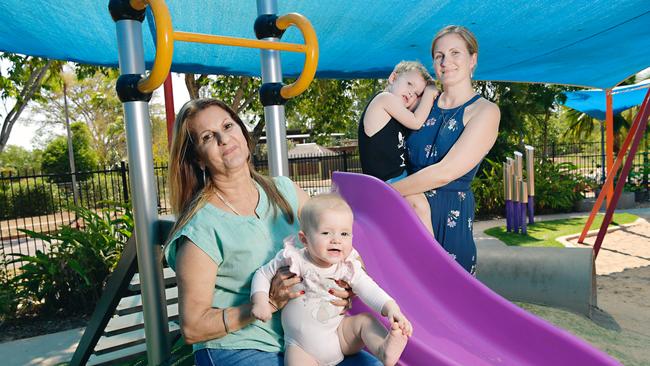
(274,116)
(73,168)
(145,206)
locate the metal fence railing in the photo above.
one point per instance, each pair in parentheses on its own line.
(589,159)
(40,202)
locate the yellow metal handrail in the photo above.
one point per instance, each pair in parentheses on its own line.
(165,37)
(311,53)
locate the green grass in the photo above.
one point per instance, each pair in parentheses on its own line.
(544,233)
(602,331)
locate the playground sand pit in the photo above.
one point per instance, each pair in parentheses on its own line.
(620,325)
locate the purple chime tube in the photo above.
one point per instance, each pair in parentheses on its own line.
(530,170)
(506,194)
(522,208)
(518,176)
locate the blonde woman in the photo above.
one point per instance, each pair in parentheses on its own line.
(444,155)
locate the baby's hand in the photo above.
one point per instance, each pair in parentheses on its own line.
(262,311)
(403,323)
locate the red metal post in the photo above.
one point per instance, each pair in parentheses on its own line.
(609,158)
(644,112)
(169,108)
(612,173)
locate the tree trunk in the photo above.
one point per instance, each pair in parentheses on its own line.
(194,85)
(32,86)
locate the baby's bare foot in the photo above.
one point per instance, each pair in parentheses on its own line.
(393,346)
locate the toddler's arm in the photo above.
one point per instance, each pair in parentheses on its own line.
(413,120)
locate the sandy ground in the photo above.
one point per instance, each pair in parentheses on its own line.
(620,325)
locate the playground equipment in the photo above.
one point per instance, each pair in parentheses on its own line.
(134,90)
(457,320)
(632,141)
(519,193)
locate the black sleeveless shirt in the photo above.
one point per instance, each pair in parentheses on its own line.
(384,154)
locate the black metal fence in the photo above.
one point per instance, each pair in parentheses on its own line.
(589,159)
(40,202)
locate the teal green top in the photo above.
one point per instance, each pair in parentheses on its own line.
(239,245)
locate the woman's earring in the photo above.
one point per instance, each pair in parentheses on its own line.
(203,176)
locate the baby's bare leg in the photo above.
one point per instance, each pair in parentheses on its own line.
(296,356)
(421,207)
(363,329)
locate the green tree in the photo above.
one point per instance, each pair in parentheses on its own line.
(18,159)
(55,156)
(24,80)
(528,115)
(330,106)
(93,101)
(327,106)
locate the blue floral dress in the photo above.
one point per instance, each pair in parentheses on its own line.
(452,205)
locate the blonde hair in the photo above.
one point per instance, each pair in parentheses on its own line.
(188,191)
(464,33)
(314,207)
(408,66)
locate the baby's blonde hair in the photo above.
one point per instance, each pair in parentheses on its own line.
(314,207)
(407,66)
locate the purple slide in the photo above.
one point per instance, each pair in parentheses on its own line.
(456,319)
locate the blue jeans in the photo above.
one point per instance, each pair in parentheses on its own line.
(253,357)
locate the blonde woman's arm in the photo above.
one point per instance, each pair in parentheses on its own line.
(473,144)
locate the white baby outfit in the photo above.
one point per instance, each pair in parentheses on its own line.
(310,321)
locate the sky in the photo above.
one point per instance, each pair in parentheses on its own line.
(23,132)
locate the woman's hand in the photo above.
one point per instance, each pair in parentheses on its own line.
(345,295)
(281,285)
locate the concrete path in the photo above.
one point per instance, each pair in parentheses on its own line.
(45,350)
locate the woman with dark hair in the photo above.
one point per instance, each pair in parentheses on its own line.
(444,155)
(230,221)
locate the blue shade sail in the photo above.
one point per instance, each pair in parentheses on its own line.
(592,102)
(594,43)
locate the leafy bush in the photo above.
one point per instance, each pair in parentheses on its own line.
(55,156)
(72,274)
(636,178)
(27,198)
(97,189)
(8,300)
(488,189)
(557,186)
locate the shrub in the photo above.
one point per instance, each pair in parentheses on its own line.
(72,274)
(8,299)
(55,156)
(557,187)
(488,189)
(33,197)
